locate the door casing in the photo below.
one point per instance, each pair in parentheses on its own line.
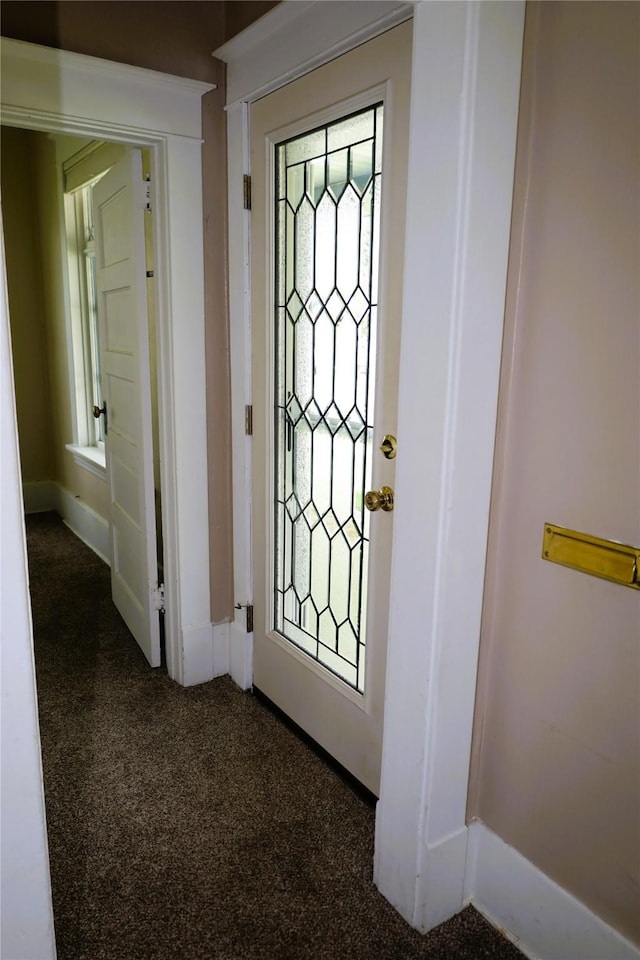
(55,90)
(466,65)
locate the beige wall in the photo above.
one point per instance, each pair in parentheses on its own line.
(214,160)
(26,306)
(555,768)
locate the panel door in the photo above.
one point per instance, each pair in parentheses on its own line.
(328,162)
(124,348)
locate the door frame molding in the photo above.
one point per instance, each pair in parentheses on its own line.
(56,91)
(466,64)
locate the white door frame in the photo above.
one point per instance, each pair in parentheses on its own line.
(62,92)
(466,68)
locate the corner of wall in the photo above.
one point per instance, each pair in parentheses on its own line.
(240,655)
(539,916)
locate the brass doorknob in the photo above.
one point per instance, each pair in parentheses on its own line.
(381,499)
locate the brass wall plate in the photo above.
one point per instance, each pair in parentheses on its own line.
(389,446)
(608,559)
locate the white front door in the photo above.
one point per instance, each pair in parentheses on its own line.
(124,350)
(328,161)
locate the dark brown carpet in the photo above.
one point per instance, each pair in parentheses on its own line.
(192,823)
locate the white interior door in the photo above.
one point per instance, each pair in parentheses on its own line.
(328,162)
(124,350)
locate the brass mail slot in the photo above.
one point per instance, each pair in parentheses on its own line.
(601,558)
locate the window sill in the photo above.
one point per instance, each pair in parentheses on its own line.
(89,458)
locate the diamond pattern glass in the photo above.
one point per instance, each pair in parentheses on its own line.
(326,236)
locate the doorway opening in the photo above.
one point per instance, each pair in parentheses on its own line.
(60,331)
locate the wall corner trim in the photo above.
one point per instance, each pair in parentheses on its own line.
(538,915)
(198,654)
(440,888)
(39,496)
(240,655)
(220,632)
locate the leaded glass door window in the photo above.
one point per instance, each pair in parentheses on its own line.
(328,165)
(328,184)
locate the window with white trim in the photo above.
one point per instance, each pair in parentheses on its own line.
(83,250)
(80,173)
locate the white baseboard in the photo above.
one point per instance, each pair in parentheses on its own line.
(240,655)
(545,921)
(84,522)
(40,496)
(220,649)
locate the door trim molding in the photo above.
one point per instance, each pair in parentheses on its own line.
(461,165)
(467,61)
(298,36)
(56,91)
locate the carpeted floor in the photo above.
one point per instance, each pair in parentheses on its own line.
(192,823)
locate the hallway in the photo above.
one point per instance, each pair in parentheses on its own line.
(190,822)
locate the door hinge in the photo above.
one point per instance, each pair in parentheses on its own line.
(246,191)
(157,594)
(248,420)
(249,609)
(147,193)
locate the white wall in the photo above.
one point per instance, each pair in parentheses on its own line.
(26,916)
